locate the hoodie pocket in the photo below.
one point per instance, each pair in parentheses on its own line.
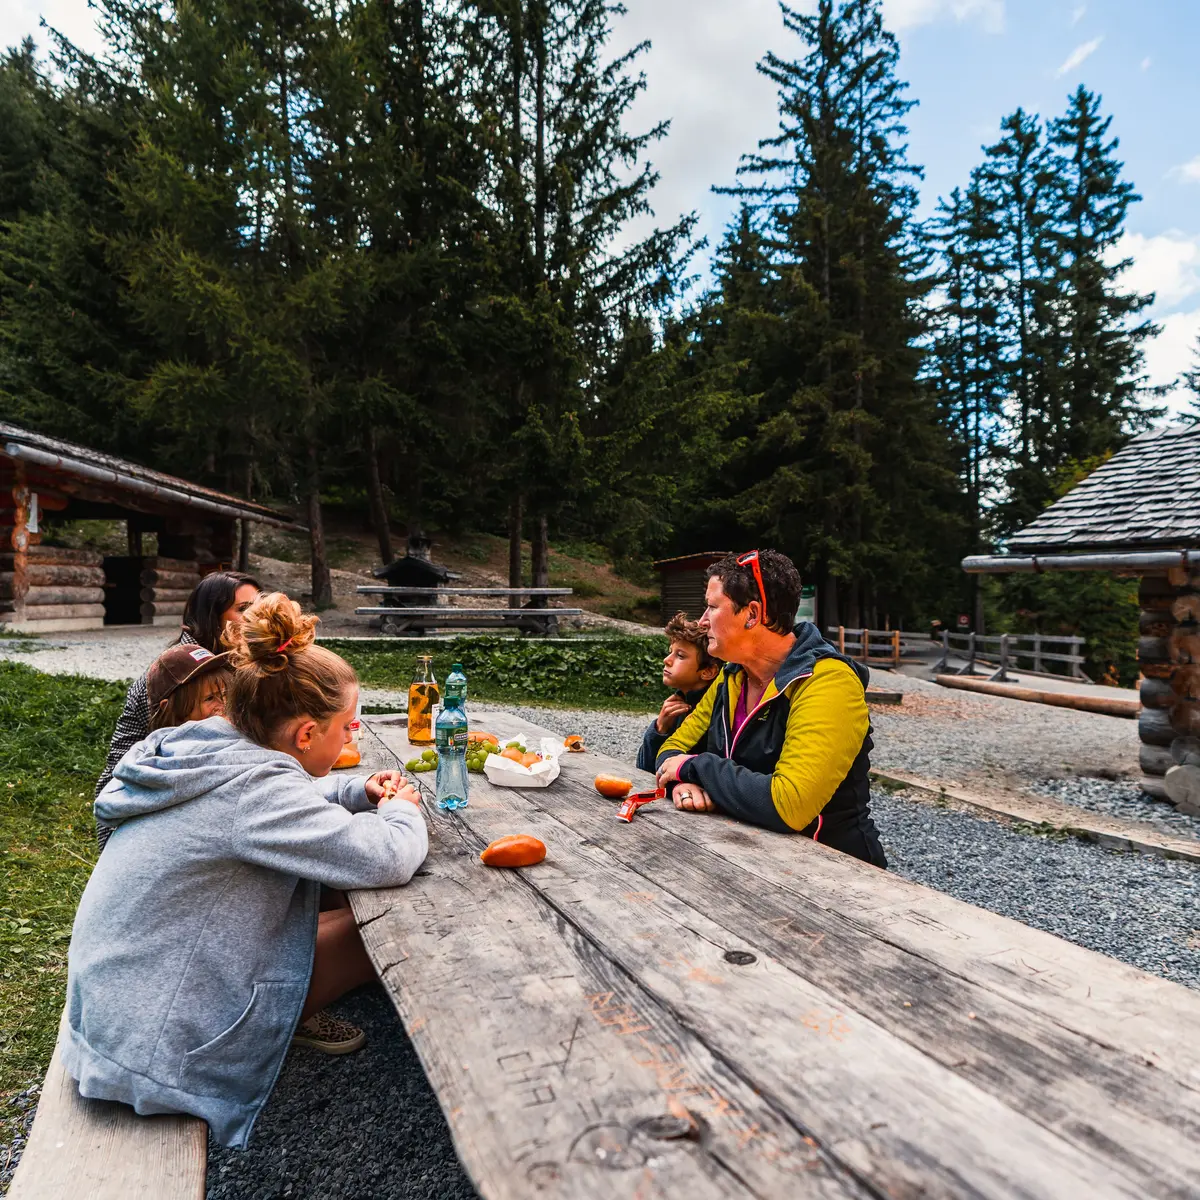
(241,1063)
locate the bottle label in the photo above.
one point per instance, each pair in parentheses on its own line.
(452,738)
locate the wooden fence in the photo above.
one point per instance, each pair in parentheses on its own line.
(878,645)
(1008,650)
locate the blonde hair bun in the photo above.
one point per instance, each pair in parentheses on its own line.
(272,630)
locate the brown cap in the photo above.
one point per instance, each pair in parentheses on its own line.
(175,666)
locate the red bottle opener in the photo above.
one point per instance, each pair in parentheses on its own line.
(635,800)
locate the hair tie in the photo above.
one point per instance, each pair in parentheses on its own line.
(284,645)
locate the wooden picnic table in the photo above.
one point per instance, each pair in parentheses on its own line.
(688,1007)
(400,614)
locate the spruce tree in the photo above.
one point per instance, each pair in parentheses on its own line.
(849,464)
(570,178)
(1096,390)
(968,353)
(66,342)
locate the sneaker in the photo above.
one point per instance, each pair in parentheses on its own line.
(329,1034)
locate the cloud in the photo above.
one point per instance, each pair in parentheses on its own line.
(1079,56)
(1146,63)
(20,19)
(1171,353)
(1078,14)
(902,15)
(1167,264)
(1188,172)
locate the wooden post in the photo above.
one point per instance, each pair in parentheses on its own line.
(896,647)
(1037,652)
(970,653)
(865,648)
(20,539)
(841,639)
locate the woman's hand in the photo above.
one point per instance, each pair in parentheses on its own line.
(692,798)
(391,785)
(668,773)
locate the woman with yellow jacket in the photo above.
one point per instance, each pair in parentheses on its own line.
(784,735)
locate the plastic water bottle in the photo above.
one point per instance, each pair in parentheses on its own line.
(450,734)
(456,681)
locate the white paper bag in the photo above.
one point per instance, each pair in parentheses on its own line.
(503,772)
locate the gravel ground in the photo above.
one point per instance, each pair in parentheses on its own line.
(365,1126)
(1117,798)
(1140,909)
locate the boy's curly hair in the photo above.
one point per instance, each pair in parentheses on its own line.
(680,629)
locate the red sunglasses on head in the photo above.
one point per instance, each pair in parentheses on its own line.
(751,560)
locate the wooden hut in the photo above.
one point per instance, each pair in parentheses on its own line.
(49,589)
(1139,514)
(683,582)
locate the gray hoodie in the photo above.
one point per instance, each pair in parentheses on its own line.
(193,944)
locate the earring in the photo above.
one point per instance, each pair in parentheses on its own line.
(305,749)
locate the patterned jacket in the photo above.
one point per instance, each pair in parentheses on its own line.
(132,726)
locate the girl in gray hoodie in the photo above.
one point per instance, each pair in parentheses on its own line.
(198,946)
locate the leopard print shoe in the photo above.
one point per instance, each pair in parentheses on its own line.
(329,1034)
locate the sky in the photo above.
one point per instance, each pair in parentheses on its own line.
(968,63)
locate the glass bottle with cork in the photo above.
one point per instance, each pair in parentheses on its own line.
(423,695)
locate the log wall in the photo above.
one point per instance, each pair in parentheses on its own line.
(166,585)
(1169,657)
(50,584)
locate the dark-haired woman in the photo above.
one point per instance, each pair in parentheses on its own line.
(216,601)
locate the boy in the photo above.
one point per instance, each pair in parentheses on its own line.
(688,669)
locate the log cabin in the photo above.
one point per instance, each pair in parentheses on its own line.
(1139,514)
(47,589)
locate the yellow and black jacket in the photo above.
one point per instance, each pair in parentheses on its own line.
(801,761)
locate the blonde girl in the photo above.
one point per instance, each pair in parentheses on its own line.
(198,947)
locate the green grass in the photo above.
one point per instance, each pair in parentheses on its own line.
(56,732)
(615,673)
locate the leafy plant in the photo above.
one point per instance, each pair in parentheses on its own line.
(619,672)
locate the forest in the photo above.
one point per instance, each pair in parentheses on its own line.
(375,254)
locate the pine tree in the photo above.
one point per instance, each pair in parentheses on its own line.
(968,353)
(570,179)
(66,343)
(849,461)
(1095,385)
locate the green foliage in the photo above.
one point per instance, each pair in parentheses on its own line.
(56,734)
(1101,608)
(617,673)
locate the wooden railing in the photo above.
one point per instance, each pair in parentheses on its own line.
(1008,650)
(877,645)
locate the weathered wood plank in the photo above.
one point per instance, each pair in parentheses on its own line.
(552,1064)
(98,1150)
(1090,993)
(909,1122)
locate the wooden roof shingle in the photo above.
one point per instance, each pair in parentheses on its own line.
(1147,496)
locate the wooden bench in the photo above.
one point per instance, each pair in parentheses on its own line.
(98,1150)
(405,616)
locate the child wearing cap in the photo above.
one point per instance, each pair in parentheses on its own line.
(199,949)
(186,683)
